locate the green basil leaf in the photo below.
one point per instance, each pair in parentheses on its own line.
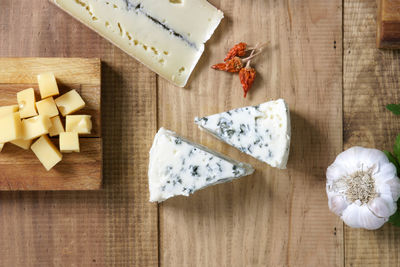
(393,160)
(395,108)
(396,148)
(395,218)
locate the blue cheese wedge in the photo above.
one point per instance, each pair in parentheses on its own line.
(262,131)
(166,36)
(180,167)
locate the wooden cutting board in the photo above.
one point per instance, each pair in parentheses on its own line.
(20,169)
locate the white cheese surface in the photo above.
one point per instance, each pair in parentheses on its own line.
(166,36)
(261,131)
(180,167)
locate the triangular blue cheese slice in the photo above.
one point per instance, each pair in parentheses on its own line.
(262,131)
(180,167)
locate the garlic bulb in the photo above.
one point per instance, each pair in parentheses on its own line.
(362,187)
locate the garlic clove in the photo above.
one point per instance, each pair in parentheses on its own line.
(373,158)
(384,189)
(370,221)
(387,172)
(335,171)
(383,206)
(337,204)
(390,186)
(351,216)
(359,158)
(348,160)
(361,217)
(394,187)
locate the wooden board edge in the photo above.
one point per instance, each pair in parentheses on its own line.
(56,60)
(95,186)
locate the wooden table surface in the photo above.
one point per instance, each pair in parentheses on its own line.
(322,60)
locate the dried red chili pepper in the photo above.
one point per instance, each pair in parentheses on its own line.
(232,65)
(247,76)
(237,50)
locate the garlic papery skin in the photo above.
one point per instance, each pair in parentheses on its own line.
(362,187)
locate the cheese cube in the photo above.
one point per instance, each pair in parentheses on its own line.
(24,144)
(10,127)
(69,142)
(8,109)
(47,107)
(36,126)
(46,152)
(70,102)
(47,85)
(26,102)
(81,124)
(1,147)
(56,126)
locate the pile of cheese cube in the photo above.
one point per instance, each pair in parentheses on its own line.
(21,124)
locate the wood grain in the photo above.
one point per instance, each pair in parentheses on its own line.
(388,24)
(22,169)
(77,171)
(69,71)
(371,81)
(274,217)
(116,226)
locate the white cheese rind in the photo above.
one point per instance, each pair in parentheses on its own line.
(168,38)
(180,167)
(261,131)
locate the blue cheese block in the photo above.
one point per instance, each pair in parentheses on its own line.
(262,131)
(166,36)
(180,167)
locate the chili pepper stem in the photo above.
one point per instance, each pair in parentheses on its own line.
(258,46)
(248,64)
(252,55)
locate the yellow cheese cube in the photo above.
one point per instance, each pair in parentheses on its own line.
(47,85)
(8,109)
(26,102)
(81,124)
(56,126)
(36,126)
(46,152)
(69,142)
(24,144)
(47,107)
(70,102)
(1,147)
(10,127)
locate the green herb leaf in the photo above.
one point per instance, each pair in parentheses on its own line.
(395,218)
(395,108)
(396,148)
(393,160)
